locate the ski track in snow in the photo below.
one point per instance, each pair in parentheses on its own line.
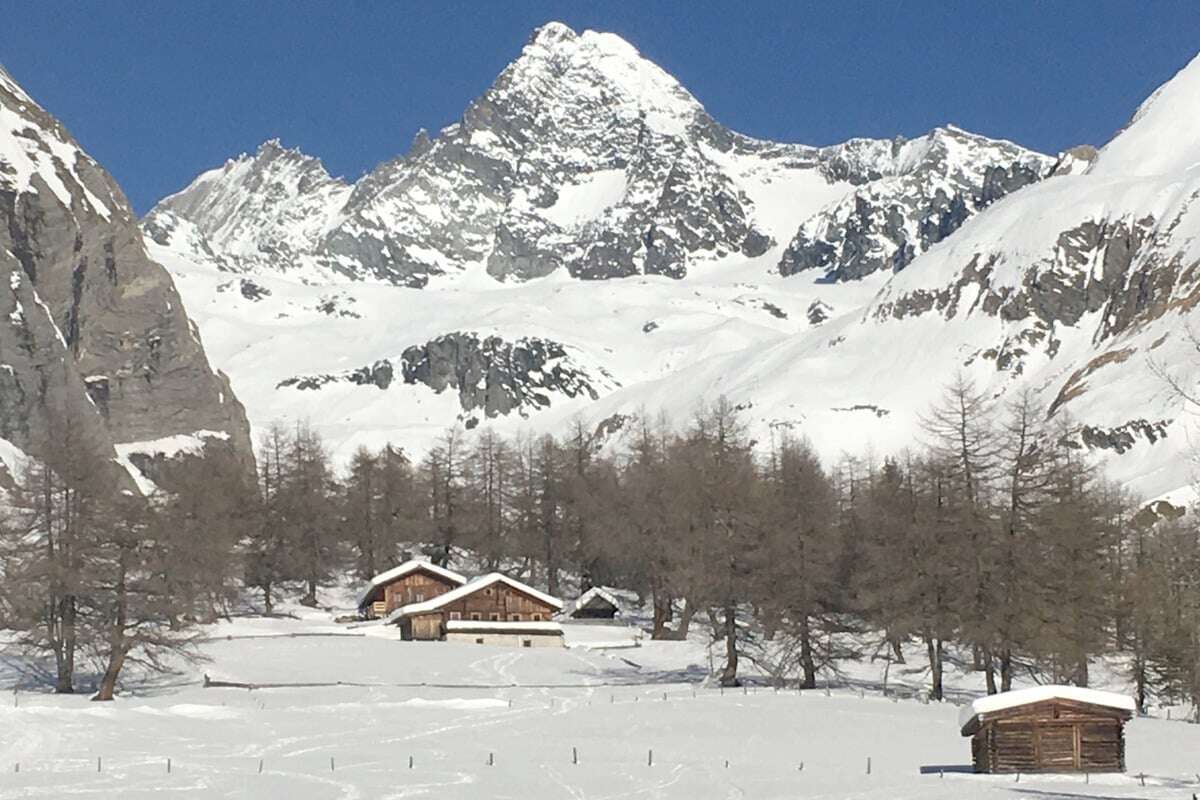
(217,736)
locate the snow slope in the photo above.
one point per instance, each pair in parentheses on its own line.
(588,243)
(586,228)
(479,721)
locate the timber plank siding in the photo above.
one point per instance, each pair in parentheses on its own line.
(494,601)
(415,587)
(1055,735)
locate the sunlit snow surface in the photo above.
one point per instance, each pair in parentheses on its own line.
(854,376)
(479,721)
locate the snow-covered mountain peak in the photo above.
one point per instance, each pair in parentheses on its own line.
(830,289)
(264,209)
(595,69)
(1163,136)
(8,84)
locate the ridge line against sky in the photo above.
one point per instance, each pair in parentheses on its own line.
(161,92)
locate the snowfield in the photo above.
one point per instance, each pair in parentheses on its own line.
(483,722)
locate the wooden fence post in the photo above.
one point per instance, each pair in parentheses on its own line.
(650,758)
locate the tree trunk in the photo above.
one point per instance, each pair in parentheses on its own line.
(118,643)
(989,670)
(662,615)
(729,674)
(685,621)
(806,655)
(1006,669)
(1139,679)
(310,596)
(1081,673)
(897,651)
(65,652)
(934,648)
(268,602)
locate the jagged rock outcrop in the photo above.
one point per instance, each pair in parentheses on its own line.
(76,265)
(489,374)
(907,201)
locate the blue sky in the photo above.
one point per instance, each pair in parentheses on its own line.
(158,92)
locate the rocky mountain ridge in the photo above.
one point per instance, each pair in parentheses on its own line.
(587,158)
(587,202)
(95,336)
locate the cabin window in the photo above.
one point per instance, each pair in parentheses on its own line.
(514,617)
(475,616)
(488,592)
(494,617)
(527,643)
(455,615)
(420,597)
(537,617)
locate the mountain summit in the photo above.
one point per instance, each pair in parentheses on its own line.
(582,157)
(588,241)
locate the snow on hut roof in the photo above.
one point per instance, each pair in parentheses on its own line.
(464,625)
(469,589)
(602,592)
(404,569)
(1039,694)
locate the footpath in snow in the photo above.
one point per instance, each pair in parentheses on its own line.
(571,723)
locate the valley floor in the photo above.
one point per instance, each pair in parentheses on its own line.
(482,722)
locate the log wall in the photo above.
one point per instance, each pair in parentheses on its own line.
(1055,736)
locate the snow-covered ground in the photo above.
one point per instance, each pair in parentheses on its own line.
(491,722)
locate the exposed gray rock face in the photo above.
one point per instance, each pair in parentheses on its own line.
(490,374)
(512,186)
(586,157)
(910,197)
(71,251)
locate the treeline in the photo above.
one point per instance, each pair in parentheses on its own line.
(993,538)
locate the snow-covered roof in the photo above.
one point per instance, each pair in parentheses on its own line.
(499,625)
(1039,694)
(407,567)
(601,592)
(469,589)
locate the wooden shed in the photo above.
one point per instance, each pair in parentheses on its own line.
(504,603)
(598,603)
(1048,729)
(413,581)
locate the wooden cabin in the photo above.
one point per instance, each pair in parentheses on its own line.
(412,582)
(495,608)
(1048,729)
(598,603)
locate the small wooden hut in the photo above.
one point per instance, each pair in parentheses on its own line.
(597,603)
(413,581)
(1048,729)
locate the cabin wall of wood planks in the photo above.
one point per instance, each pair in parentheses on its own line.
(1054,736)
(415,587)
(499,603)
(495,603)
